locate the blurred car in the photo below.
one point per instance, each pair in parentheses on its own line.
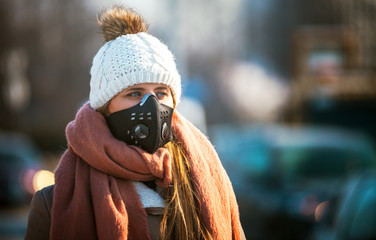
(19,163)
(288,180)
(355,218)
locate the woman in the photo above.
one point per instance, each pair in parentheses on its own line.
(134,167)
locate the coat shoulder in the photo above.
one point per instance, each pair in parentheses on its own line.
(47,194)
(39,220)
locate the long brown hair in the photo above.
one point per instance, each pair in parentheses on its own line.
(182,218)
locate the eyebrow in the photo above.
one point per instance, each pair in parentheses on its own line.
(140,88)
(135,89)
(161,88)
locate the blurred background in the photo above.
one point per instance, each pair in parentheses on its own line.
(285,90)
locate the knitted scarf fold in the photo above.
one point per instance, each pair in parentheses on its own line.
(94,197)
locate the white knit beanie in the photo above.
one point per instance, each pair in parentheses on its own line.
(128,60)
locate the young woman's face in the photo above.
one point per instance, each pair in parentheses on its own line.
(131,96)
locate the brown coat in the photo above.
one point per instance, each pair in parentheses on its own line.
(39,221)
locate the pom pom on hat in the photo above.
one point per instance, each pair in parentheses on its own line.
(129,57)
(119,21)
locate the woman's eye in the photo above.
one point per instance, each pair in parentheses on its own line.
(161,95)
(134,94)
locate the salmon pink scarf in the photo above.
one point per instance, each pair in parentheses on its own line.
(94,197)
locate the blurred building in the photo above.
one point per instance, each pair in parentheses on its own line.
(333,70)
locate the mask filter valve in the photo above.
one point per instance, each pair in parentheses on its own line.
(140,131)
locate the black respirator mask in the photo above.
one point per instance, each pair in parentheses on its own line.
(146,125)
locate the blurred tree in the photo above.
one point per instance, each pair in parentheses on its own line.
(58,40)
(5,42)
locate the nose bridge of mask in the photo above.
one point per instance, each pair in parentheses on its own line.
(146,96)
